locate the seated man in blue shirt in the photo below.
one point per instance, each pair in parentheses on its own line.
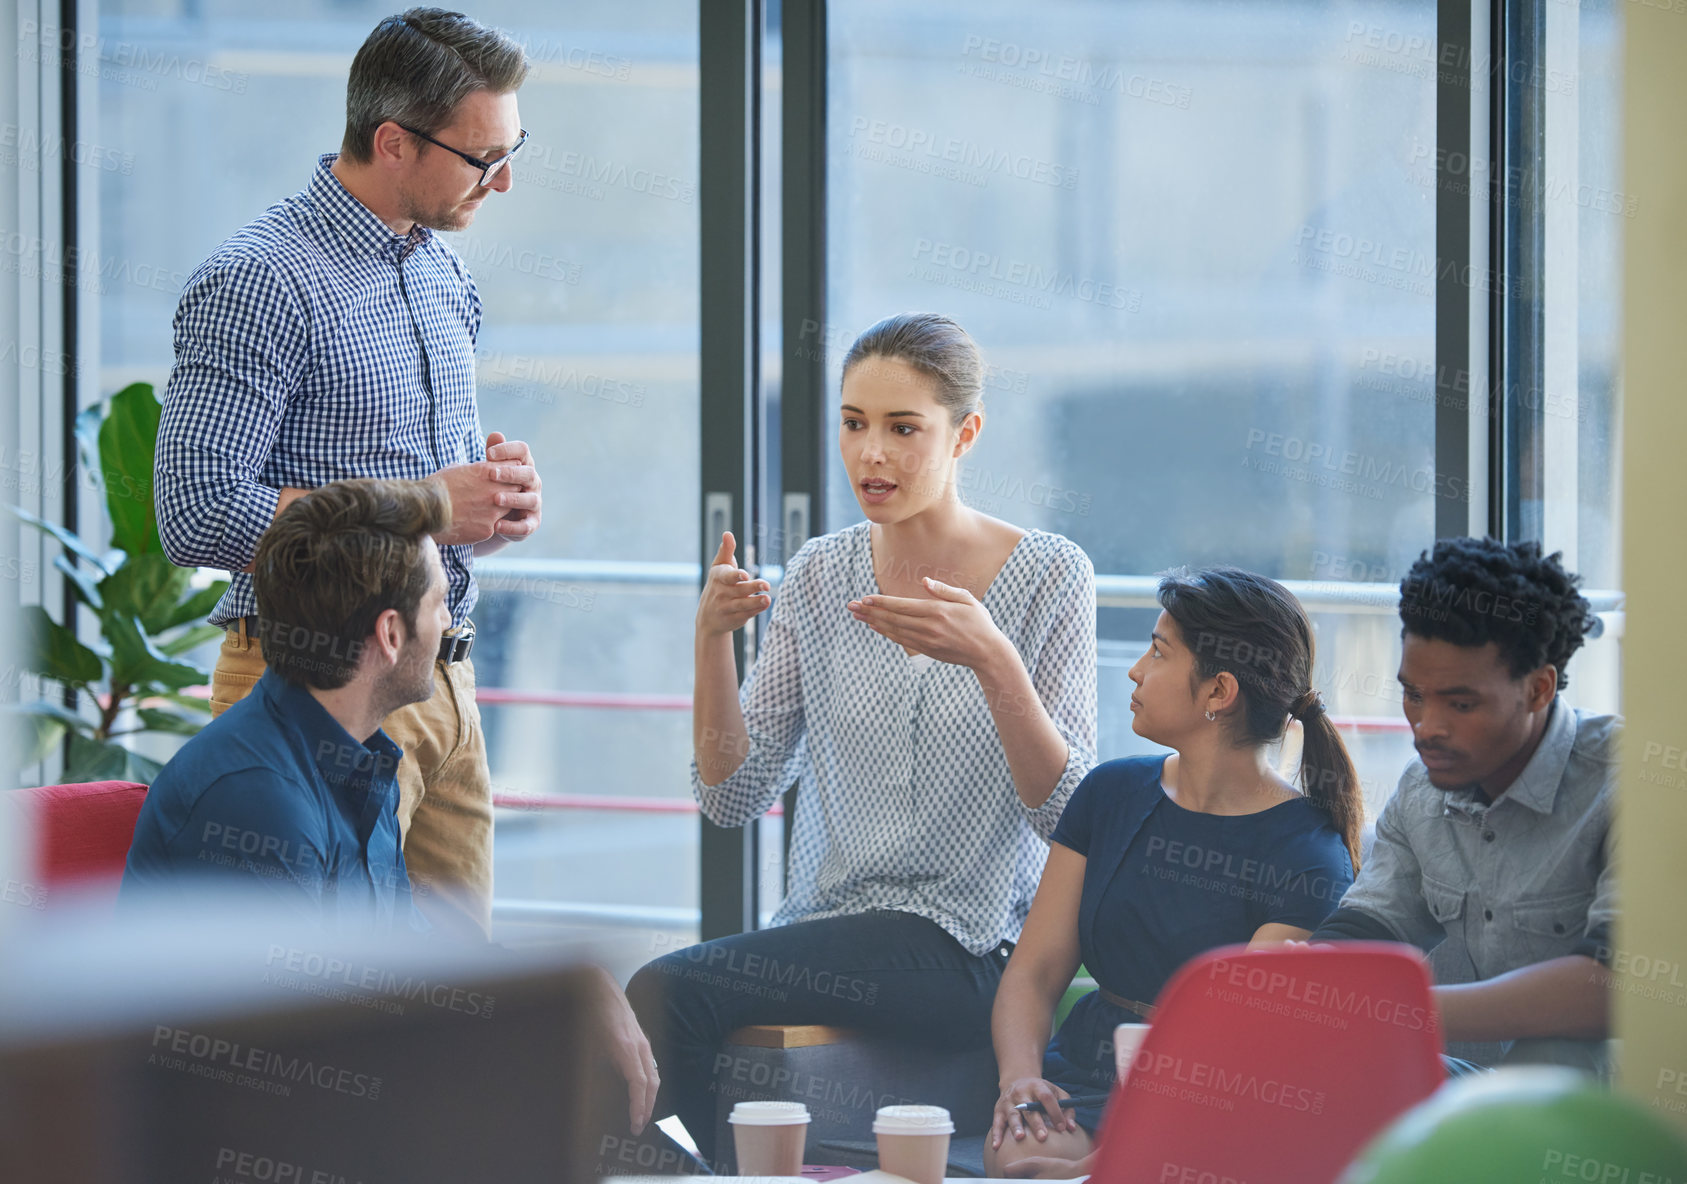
(295,787)
(1500,833)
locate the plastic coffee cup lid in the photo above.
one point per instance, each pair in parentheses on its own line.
(768,1113)
(913,1120)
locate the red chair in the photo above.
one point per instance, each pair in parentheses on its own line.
(1273,1066)
(81,835)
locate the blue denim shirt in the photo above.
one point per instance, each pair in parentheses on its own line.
(277,793)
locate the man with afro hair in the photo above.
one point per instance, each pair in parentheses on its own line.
(1500,831)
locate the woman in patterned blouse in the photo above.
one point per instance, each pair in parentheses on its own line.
(928,678)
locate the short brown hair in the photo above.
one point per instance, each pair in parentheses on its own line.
(414,69)
(334,561)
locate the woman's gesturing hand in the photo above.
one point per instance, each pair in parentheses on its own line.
(1015,1123)
(953,628)
(730,595)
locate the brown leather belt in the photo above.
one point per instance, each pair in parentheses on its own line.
(1145,1010)
(454,645)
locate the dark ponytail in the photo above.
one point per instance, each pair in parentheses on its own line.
(1233,620)
(1327,774)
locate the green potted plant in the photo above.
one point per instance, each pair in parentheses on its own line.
(149,614)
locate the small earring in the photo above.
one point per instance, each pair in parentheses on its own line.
(1210,715)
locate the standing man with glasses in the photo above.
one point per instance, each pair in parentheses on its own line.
(334,337)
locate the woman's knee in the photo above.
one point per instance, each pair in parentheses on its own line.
(1068,1146)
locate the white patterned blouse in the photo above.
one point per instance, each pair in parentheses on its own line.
(905,798)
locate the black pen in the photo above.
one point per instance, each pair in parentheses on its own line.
(1091,1100)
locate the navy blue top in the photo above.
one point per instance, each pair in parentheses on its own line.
(276,792)
(1163,883)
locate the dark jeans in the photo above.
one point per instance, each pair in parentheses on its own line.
(889,973)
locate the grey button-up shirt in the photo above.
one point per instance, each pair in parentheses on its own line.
(1524,880)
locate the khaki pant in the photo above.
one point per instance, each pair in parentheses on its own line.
(444,785)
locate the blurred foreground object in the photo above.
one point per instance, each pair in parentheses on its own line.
(1524,1125)
(240,1045)
(1273,1066)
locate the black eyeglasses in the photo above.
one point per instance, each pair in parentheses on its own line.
(488,169)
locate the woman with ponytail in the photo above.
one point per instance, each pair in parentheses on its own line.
(1158,859)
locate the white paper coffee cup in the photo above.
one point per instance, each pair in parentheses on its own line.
(913,1120)
(914,1141)
(769,1137)
(768,1113)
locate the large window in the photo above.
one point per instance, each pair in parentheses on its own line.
(1194,245)
(1586,212)
(1198,246)
(1202,245)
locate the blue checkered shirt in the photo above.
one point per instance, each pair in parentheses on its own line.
(313,346)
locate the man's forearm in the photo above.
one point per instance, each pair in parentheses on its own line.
(285,496)
(212,520)
(1566,997)
(1350,924)
(288,495)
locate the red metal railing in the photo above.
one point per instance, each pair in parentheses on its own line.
(598,801)
(1370,724)
(611,700)
(622,701)
(615,701)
